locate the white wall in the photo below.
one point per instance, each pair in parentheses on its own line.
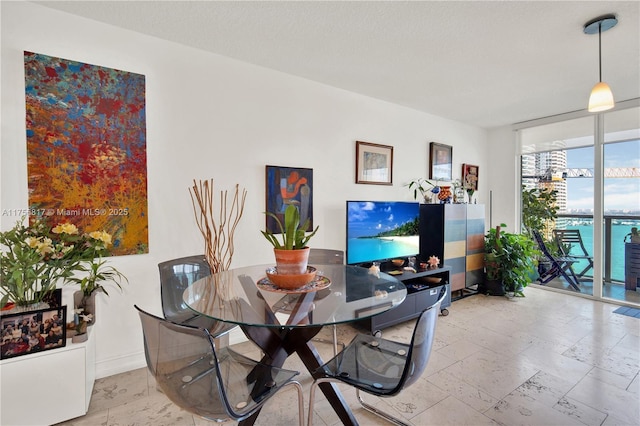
(503,199)
(213,117)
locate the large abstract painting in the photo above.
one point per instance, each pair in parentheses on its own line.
(86,148)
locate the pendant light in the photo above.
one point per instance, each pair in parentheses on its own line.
(601,98)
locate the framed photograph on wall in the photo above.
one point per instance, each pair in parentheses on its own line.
(288,185)
(33,331)
(470,177)
(441,157)
(374,163)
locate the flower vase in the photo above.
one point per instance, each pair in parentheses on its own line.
(87,303)
(445,195)
(470,195)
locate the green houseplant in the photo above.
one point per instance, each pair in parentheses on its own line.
(291,253)
(539,213)
(539,209)
(509,259)
(35,257)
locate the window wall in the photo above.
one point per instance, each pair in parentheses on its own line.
(593,162)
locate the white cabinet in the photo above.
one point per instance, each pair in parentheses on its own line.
(48,387)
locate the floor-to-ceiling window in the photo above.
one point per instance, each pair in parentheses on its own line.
(593,162)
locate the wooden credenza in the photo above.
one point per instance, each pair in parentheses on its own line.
(455,233)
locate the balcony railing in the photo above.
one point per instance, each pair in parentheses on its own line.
(616,227)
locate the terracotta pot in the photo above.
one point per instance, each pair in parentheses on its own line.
(292,261)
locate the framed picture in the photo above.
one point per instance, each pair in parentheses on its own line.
(53,298)
(441,160)
(288,185)
(374,163)
(470,177)
(33,331)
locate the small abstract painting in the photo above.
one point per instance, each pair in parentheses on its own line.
(289,185)
(86,148)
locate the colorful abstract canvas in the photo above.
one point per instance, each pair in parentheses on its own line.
(86,148)
(288,185)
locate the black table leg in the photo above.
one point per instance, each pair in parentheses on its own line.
(279,344)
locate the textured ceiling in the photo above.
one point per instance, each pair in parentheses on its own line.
(484,63)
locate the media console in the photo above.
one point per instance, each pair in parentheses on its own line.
(423,289)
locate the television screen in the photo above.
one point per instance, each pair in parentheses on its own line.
(380,230)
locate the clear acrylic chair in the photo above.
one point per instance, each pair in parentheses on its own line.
(379,366)
(216,384)
(319,256)
(175,276)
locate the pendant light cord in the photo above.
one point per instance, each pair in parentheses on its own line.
(600,50)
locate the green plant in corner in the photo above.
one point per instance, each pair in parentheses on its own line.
(294,235)
(510,259)
(539,210)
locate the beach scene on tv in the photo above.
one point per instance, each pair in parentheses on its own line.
(379,230)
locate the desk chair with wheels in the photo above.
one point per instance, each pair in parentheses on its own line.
(318,256)
(175,276)
(381,367)
(571,245)
(213,383)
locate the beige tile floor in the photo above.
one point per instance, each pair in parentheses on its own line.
(546,359)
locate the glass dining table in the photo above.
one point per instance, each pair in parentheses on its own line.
(283,322)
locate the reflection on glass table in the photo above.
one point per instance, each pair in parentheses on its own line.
(284,322)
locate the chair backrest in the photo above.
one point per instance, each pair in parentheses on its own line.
(175,276)
(199,379)
(421,344)
(542,246)
(326,256)
(569,238)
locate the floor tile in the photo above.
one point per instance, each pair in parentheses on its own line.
(545,359)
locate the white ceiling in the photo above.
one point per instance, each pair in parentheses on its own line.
(486,63)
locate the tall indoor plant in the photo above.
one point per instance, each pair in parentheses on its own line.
(292,253)
(539,213)
(509,259)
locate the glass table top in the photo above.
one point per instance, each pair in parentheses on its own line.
(339,293)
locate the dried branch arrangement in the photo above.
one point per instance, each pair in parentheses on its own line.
(218,234)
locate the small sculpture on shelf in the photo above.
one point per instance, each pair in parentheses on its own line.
(433,262)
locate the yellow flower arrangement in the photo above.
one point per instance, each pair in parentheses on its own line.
(35,257)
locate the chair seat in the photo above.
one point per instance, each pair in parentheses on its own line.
(370,363)
(379,366)
(213,383)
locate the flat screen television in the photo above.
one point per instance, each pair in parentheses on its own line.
(381,230)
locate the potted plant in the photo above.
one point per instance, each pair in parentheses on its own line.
(34,258)
(96,272)
(425,188)
(292,254)
(509,258)
(539,213)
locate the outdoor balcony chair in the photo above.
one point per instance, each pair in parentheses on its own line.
(560,265)
(571,245)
